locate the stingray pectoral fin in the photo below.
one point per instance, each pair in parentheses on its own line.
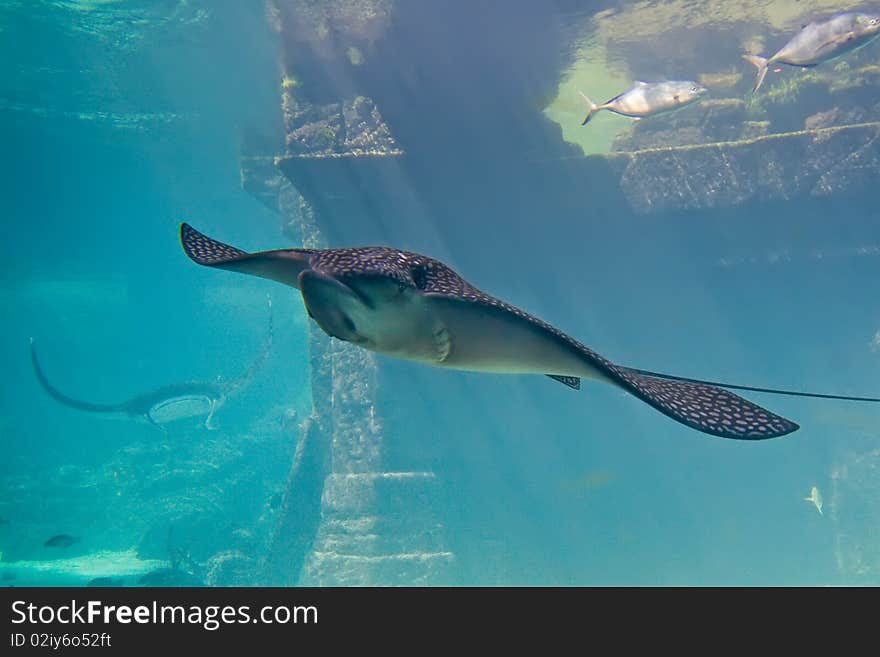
(488,335)
(705,408)
(281,265)
(491,336)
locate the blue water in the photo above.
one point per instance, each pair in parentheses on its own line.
(121,121)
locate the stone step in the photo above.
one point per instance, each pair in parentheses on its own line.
(377,535)
(383,493)
(400,569)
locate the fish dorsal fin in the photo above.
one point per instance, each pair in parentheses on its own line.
(281,265)
(572,382)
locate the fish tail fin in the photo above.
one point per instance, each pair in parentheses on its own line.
(759,63)
(704,407)
(61,398)
(592,108)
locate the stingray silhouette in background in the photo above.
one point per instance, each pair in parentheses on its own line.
(168,403)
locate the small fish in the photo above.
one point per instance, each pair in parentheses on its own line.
(649,98)
(816,498)
(820,42)
(61,541)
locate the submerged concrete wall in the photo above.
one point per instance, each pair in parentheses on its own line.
(344,520)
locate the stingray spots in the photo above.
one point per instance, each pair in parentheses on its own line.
(406,268)
(204,250)
(707,408)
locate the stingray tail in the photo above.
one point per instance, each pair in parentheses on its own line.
(759,63)
(592,108)
(61,398)
(245,379)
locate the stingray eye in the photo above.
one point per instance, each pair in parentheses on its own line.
(420,276)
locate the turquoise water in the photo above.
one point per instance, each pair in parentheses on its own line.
(122,119)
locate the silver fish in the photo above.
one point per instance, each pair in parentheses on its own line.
(821,41)
(649,98)
(416,308)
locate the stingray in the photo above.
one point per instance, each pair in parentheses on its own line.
(413,307)
(168,403)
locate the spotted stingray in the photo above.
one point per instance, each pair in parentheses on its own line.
(416,308)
